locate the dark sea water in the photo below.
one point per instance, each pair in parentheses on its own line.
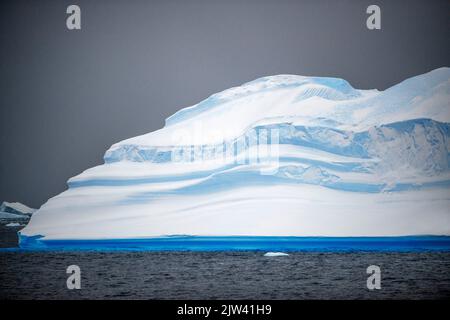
(220,274)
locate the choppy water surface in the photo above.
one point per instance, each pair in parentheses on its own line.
(220,274)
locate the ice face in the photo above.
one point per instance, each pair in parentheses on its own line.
(283,155)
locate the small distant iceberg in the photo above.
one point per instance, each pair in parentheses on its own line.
(15,210)
(11,216)
(275,254)
(14,224)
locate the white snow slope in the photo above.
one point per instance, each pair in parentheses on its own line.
(348,163)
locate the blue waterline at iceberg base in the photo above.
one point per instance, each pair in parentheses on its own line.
(245,243)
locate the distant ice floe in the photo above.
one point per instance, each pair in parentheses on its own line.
(14,224)
(275,254)
(7,215)
(282,155)
(15,210)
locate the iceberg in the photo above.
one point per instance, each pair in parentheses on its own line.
(10,210)
(12,216)
(13,224)
(280,156)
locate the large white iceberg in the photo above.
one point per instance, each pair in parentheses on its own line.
(329,160)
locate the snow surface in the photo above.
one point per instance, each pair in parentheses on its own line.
(349,163)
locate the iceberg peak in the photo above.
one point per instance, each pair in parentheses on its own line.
(324,87)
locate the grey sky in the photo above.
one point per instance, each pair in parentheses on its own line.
(66,96)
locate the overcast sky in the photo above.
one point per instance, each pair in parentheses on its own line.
(66,96)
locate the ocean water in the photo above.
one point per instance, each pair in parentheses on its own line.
(244,274)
